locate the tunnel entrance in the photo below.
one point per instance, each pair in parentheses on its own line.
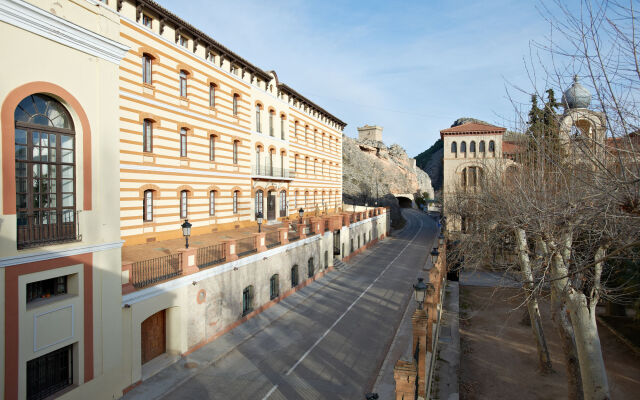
(405,202)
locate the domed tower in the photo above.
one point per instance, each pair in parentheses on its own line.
(578,121)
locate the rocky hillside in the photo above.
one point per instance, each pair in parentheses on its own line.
(371,171)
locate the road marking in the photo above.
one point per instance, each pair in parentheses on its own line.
(306,353)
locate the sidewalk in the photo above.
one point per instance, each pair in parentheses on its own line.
(445,384)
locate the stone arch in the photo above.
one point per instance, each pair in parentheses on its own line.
(146,187)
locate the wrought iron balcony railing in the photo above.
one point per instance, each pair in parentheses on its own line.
(266,170)
(47,227)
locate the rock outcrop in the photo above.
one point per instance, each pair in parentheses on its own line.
(371,171)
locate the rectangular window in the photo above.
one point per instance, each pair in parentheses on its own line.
(183,41)
(183,142)
(183,204)
(247,300)
(183,84)
(147,136)
(146,69)
(50,373)
(212,148)
(147,21)
(46,288)
(148,205)
(212,203)
(274,287)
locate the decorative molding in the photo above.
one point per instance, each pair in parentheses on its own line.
(181,171)
(35,20)
(48,255)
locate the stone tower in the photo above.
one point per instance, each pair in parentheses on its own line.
(370,133)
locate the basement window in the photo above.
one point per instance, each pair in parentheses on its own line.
(46,289)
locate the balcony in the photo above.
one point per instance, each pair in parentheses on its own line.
(265,171)
(47,227)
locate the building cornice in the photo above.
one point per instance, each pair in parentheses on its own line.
(35,20)
(48,255)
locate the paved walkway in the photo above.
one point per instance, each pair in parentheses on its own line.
(326,341)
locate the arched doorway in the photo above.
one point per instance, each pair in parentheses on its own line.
(153,334)
(45,170)
(271,205)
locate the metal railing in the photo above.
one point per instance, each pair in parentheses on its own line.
(272,239)
(276,172)
(148,272)
(211,255)
(246,246)
(47,227)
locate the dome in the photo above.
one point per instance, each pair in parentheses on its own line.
(577,96)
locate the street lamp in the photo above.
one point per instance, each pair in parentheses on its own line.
(259,220)
(434,255)
(301,213)
(420,291)
(186,232)
(441,239)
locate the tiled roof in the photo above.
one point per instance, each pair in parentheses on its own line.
(510,147)
(473,127)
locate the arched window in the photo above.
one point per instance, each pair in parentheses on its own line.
(183,142)
(235,151)
(310,268)
(306,203)
(212,95)
(274,286)
(271,162)
(295,162)
(295,130)
(212,202)
(259,201)
(283,203)
(147,62)
(183,83)
(306,133)
(258,124)
(472,147)
(481,148)
(492,146)
(282,120)
(463,147)
(183,204)
(147,208)
(247,300)
(212,147)
(294,276)
(295,199)
(306,165)
(45,171)
(271,114)
(258,150)
(235,103)
(235,201)
(147,135)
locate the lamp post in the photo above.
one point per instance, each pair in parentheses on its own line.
(301,213)
(186,232)
(259,220)
(434,255)
(420,292)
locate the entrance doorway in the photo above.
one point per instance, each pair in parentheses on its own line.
(336,243)
(153,335)
(271,205)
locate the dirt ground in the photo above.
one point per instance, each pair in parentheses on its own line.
(499,357)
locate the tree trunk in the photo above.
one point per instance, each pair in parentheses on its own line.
(595,385)
(567,339)
(532,303)
(594,375)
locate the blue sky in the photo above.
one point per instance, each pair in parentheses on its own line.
(412,67)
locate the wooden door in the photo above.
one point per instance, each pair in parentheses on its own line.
(154,338)
(271,206)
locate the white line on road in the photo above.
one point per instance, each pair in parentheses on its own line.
(306,353)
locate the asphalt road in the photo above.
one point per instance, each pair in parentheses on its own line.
(331,345)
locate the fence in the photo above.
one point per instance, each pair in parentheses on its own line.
(147,272)
(246,246)
(272,239)
(211,255)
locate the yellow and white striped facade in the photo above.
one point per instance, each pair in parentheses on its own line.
(310,147)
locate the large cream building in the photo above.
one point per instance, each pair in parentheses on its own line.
(120,120)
